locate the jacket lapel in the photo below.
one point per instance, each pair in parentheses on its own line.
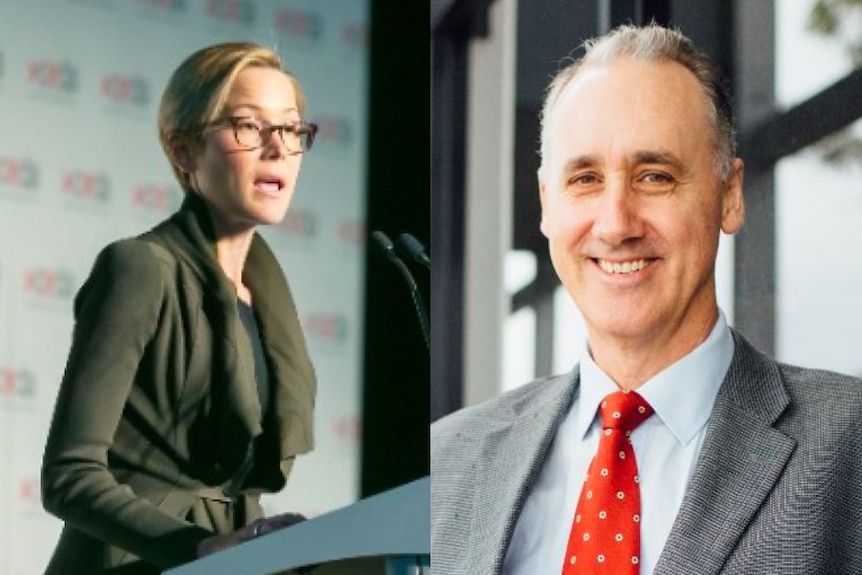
(741,459)
(236,405)
(510,461)
(293,375)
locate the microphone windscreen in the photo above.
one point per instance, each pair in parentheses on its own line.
(412,246)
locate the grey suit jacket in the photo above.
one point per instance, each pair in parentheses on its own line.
(776,489)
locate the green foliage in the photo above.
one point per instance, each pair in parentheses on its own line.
(822,18)
(840,19)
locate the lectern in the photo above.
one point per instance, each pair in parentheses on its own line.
(387,534)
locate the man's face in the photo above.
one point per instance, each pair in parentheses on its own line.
(632,204)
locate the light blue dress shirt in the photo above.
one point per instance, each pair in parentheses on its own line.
(666,447)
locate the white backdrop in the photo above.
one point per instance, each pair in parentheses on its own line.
(80,166)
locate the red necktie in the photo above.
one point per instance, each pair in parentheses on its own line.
(605,536)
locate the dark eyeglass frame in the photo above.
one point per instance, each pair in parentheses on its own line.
(300,128)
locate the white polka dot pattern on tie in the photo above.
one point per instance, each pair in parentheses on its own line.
(605,535)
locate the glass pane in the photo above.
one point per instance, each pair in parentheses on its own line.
(808,61)
(819,273)
(818,206)
(519,349)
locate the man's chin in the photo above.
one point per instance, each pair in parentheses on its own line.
(621,324)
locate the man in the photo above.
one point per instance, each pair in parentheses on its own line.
(736,464)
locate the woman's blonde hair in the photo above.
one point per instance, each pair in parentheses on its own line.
(198,89)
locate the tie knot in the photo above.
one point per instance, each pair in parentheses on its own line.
(624,410)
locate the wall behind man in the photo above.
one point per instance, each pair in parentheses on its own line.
(80,166)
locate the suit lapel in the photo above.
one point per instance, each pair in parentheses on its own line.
(741,459)
(511,458)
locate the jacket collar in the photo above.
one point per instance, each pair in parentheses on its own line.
(189,234)
(742,458)
(514,446)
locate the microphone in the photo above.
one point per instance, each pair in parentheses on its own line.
(388,248)
(414,250)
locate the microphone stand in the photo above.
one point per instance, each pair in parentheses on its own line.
(388,248)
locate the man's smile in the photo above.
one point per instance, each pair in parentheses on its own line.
(626,267)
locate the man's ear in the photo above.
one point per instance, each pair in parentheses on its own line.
(732,200)
(542,199)
(181,155)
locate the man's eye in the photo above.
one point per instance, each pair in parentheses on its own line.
(583,180)
(657,178)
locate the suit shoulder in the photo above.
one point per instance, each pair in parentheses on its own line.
(819,391)
(479,419)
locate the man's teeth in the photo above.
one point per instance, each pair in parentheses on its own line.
(623,267)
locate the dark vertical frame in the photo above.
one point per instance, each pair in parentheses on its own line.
(395,400)
(453,24)
(754,245)
(448,161)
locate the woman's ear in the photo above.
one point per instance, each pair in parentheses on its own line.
(181,155)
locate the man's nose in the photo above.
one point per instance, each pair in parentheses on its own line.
(617,217)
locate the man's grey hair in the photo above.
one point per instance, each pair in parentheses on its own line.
(652,43)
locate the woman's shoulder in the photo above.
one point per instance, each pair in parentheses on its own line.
(131,265)
(135,254)
(127,275)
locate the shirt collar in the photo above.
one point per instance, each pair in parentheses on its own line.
(682,394)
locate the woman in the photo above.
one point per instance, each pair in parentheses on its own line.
(188,389)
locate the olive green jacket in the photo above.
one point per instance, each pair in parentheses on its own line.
(158,403)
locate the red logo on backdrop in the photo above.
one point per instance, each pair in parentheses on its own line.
(19,173)
(299,24)
(48,283)
(84,185)
(347,428)
(28,490)
(355,35)
(234,11)
(128,90)
(299,223)
(323,326)
(333,130)
(157,197)
(16,382)
(53,75)
(170,5)
(351,232)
